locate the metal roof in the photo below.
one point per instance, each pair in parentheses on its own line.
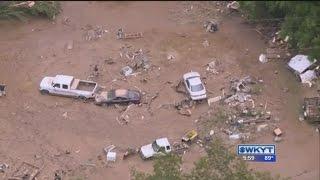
(63,79)
(299,63)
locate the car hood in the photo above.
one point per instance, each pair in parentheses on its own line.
(46,82)
(135,95)
(147,151)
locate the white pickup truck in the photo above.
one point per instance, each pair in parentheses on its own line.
(158,147)
(68,86)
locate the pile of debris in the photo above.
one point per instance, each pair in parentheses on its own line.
(277,47)
(311,108)
(241,90)
(135,60)
(25,171)
(122,35)
(2,90)
(183,107)
(211,26)
(180,148)
(214,67)
(129,112)
(94,34)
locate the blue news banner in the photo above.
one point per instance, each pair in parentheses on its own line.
(257,152)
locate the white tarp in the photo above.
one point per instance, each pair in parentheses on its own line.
(299,63)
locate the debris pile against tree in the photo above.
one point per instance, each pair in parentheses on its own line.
(277,46)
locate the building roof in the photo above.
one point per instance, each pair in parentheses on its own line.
(63,79)
(299,63)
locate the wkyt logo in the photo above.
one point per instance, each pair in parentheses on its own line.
(256,149)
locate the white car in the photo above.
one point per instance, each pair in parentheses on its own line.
(160,146)
(194,86)
(68,86)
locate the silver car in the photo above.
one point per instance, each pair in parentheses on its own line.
(194,86)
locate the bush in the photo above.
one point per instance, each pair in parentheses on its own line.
(218,164)
(48,9)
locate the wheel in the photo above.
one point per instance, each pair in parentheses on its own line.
(83,98)
(98,103)
(44,92)
(136,102)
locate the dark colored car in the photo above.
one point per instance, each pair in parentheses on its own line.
(118,96)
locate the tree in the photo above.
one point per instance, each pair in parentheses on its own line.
(299,21)
(164,168)
(218,164)
(13,9)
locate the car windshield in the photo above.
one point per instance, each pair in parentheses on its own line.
(155,146)
(111,94)
(196,88)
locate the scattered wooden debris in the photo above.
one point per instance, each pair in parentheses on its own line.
(122,35)
(25,171)
(277,131)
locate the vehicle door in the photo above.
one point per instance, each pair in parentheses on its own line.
(56,89)
(116,100)
(188,86)
(67,92)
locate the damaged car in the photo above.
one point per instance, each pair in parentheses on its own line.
(194,86)
(118,96)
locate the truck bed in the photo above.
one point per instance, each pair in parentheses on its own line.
(83,85)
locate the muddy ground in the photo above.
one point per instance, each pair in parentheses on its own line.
(33,128)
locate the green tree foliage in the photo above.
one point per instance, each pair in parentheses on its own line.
(299,20)
(48,9)
(165,168)
(218,164)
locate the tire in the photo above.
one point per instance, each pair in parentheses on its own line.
(44,92)
(82,98)
(98,104)
(136,102)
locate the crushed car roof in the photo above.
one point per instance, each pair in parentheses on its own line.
(63,79)
(121,92)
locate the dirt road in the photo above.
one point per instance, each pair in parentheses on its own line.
(33,128)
